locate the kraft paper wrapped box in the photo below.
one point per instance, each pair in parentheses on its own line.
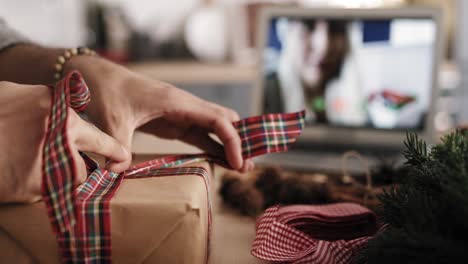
(154,220)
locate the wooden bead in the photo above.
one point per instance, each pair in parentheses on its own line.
(67,54)
(61,59)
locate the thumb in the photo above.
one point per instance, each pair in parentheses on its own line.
(124,136)
(89,138)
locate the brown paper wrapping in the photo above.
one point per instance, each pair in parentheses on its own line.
(154,220)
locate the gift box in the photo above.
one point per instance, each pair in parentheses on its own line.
(153,220)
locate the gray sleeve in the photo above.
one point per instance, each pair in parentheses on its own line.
(9,36)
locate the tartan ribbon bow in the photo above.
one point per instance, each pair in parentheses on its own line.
(321,234)
(80,217)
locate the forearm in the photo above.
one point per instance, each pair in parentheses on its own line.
(28,64)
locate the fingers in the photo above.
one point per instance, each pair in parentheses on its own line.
(89,138)
(232,115)
(187,111)
(80,168)
(124,135)
(232,143)
(202,140)
(221,124)
(211,117)
(247,166)
(225,131)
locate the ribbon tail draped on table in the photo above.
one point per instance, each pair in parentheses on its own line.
(80,217)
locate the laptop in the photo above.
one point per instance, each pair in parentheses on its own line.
(364,76)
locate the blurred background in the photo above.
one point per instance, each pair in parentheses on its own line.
(208,46)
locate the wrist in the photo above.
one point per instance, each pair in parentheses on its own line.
(92,68)
(28,64)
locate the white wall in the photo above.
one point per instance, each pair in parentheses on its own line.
(161,18)
(47,22)
(62,22)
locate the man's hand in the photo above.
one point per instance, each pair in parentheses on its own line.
(23,120)
(122,101)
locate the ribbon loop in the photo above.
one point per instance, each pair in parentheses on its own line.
(80,95)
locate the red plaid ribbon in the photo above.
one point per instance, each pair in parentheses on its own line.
(322,234)
(269,133)
(80,217)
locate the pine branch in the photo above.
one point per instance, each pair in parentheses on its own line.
(416,150)
(427,214)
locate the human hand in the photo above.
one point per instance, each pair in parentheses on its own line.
(123,101)
(23,121)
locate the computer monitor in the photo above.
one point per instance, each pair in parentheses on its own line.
(364,76)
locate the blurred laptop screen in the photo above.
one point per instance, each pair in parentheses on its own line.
(351,73)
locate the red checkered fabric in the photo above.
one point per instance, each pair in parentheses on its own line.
(80,216)
(269,133)
(325,234)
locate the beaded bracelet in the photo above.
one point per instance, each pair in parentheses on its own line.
(67,55)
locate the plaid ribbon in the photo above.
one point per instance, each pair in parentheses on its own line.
(80,217)
(322,234)
(269,133)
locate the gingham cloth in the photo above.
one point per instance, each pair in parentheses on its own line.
(322,234)
(80,217)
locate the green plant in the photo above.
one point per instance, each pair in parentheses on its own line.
(426,216)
